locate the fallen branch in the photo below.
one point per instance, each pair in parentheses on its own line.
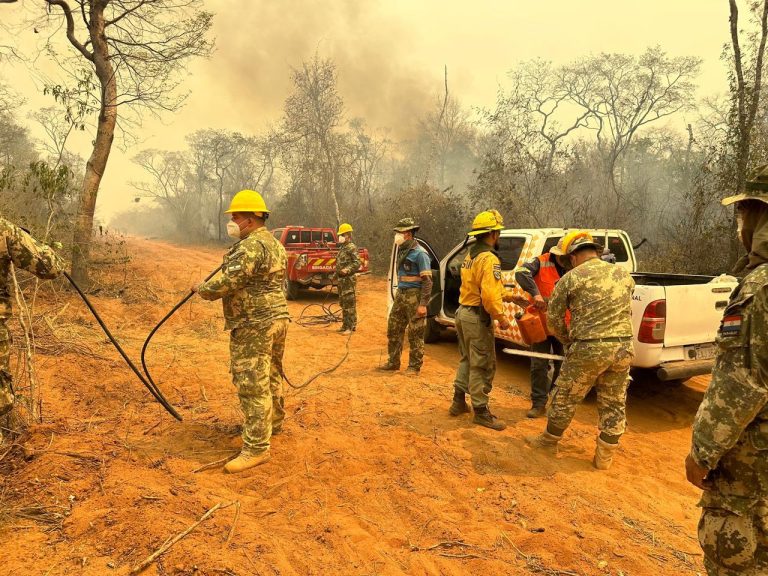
(234,522)
(78,455)
(155,425)
(447,544)
(171,541)
(533,564)
(25,319)
(444,555)
(214,464)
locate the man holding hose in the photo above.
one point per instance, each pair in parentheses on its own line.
(250,285)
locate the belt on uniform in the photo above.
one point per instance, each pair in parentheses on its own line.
(473,308)
(611,339)
(410,278)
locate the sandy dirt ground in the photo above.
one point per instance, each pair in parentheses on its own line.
(370,476)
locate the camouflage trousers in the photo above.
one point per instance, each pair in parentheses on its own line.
(603,365)
(6,384)
(348,301)
(477,347)
(402,316)
(733,529)
(256,364)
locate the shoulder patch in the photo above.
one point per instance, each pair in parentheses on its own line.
(497,271)
(731,325)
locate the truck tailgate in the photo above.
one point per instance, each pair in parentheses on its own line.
(324,262)
(694,312)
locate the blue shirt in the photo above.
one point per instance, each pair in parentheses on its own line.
(415,263)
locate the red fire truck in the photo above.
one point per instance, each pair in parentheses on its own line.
(311,257)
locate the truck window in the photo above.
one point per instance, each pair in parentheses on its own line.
(510,248)
(293,238)
(317,236)
(306,236)
(328,237)
(278,233)
(549,243)
(616,245)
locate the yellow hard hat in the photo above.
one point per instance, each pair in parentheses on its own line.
(344,228)
(558,250)
(247,201)
(486,221)
(577,239)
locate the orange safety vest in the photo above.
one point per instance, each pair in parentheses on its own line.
(547,276)
(546,280)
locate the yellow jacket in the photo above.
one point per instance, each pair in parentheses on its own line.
(481,280)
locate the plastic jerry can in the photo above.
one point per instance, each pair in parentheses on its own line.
(531,325)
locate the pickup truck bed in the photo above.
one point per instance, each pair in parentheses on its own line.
(675,319)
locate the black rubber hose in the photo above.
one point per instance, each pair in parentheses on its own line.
(282,372)
(153,389)
(163,321)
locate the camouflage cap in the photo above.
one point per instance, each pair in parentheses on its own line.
(405,225)
(580,242)
(755,188)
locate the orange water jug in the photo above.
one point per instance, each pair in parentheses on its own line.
(532,325)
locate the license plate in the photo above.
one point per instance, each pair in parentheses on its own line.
(701,352)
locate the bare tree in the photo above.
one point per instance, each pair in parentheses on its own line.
(365,157)
(137,50)
(313,115)
(540,93)
(623,93)
(746,80)
(167,172)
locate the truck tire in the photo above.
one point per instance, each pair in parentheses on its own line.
(291,289)
(432,331)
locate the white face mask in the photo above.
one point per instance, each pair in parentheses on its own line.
(342,239)
(739,224)
(399,238)
(233,230)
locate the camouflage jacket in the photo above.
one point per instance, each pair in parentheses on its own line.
(348,260)
(19,248)
(250,282)
(736,402)
(599,297)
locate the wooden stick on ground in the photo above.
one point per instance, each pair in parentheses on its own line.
(213,464)
(234,522)
(171,541)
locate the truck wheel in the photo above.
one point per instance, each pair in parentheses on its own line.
(291,289)
(432,331)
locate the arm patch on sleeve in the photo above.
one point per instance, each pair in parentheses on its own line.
(497,271)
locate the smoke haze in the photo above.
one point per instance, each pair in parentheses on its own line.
(390,57)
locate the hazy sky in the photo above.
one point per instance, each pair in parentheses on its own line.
(390,56)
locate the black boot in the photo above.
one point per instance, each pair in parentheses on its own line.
(483,417)
(388,367)
(459,404)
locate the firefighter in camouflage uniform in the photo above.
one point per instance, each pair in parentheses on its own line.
(348,263)
(19,248)
(414,291)
(599,345)
(250,285)
(729,452)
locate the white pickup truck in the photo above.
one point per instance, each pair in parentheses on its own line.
(675,316)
